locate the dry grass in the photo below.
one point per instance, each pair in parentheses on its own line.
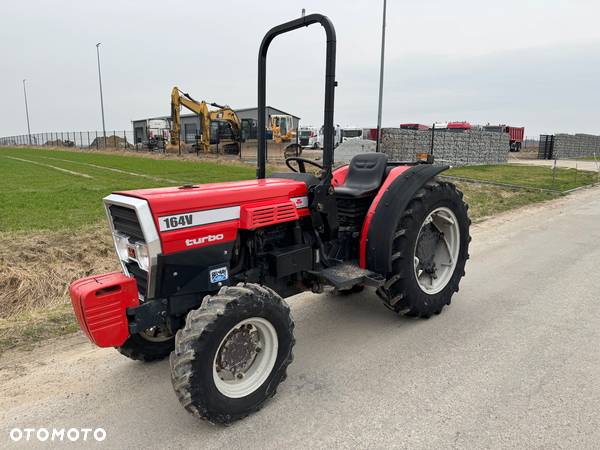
(36,268)
(24,329)
(35,271)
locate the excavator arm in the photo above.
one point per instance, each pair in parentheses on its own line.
(179,99)
(225,113)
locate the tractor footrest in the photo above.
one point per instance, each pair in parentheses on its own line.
(345,276)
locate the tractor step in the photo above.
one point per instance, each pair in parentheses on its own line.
(345,276)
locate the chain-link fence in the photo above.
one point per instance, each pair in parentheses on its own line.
(74,139)
(124,140)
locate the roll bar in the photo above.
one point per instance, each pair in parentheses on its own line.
(330,84)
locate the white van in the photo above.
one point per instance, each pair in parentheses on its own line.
(337,136)
(351,133)
(308,137)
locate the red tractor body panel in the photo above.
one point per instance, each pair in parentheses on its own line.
(100,302)
(173,200)
(200,215)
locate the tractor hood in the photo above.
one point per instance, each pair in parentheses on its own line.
(173,200)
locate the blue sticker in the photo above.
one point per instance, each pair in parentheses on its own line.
(219,275)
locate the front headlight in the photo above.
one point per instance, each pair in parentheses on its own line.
(121,243)
(142,256)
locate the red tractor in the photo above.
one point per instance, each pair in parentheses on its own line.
(205,268)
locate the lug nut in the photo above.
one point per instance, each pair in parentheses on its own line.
(240,376)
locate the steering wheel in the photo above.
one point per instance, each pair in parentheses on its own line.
(301,163)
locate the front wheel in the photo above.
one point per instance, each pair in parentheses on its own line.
(232,353)
(152,344)
(430,250)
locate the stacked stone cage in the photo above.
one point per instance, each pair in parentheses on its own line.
(576,145)
(455,148)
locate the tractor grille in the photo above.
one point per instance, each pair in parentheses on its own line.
(268,215)
(141,277)
(125,221)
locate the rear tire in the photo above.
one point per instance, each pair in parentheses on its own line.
(232,353)
(419,285)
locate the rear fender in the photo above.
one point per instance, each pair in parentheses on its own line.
(381,221)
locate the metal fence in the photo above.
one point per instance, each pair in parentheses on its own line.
(73,139)
(546,148)
(124,140)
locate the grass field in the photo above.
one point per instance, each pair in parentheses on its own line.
(529,176)
(54,190)
(36,196)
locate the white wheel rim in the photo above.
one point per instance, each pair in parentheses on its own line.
(258,365)
(445,253)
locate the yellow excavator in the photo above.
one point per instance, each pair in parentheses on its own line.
(223,114)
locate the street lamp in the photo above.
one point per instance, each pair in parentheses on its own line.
(27,112)
(101,97)
(381,79)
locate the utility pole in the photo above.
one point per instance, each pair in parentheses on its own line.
(27,112)
(381,78)
(101,97)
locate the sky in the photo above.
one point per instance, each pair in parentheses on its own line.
(524,63)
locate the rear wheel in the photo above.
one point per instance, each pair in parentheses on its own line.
(430,250)
(232,353)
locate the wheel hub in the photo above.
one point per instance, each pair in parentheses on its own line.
(437,250)
(239,350)
(156,334)
(245,357)
(426,246)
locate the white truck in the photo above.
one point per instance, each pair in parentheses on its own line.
(337,136)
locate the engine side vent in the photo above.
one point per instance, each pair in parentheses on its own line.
(125,221)
(261,216)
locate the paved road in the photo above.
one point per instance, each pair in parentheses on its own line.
(513,363)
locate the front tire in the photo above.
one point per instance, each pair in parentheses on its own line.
(232,353)
(430,250)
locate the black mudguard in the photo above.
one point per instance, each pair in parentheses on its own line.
(388,211)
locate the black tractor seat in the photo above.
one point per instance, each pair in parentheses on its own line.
(308,178)
(365,175)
